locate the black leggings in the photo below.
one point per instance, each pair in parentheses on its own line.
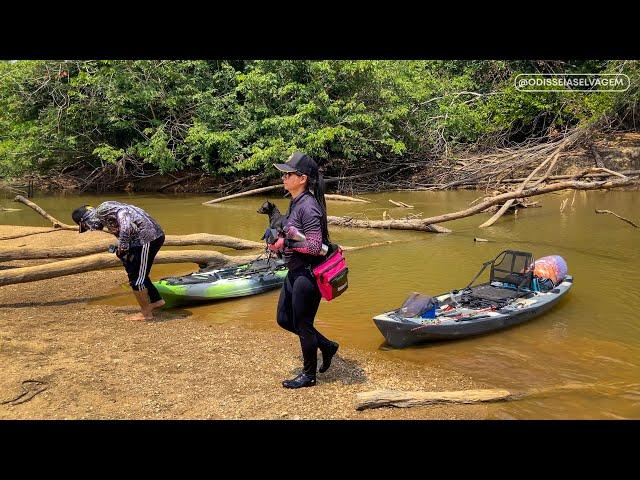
(137,262)
(297,307)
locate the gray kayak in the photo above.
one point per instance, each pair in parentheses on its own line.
(454,321)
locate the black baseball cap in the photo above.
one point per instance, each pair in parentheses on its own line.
(78,214)
(300,163)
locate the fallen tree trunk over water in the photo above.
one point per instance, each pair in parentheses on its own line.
(327,181)
(56,223)
(344,198)
(100,247)
(388,224)
(551,161)
(108,260)
(328,196)
(248,193)
(423,224)
(465,185)
(170,240)
(370,245)
(514,206)
(211,239)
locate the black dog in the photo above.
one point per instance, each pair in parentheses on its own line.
(276,221)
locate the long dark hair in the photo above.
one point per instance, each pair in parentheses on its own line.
(318,187)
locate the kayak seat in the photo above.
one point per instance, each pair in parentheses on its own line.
(192,279)
(513,267)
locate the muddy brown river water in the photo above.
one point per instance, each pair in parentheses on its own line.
(590,341)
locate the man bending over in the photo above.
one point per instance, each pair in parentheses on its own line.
(139,239)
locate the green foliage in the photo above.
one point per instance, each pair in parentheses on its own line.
(108,153)
(241,116)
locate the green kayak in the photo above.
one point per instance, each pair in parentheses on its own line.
(209,285)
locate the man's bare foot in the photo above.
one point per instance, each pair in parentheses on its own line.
(158,304)
(139,317)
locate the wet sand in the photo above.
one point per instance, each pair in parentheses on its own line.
(97,365)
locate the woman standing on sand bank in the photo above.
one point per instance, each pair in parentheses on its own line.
(300,296)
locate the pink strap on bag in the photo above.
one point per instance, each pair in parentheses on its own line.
(331,275)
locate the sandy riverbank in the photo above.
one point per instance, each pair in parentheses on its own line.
(97,365)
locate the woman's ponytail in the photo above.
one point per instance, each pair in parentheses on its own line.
(318,192)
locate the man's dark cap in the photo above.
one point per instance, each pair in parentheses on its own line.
(78,214)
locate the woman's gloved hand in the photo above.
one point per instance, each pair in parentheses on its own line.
(278,246)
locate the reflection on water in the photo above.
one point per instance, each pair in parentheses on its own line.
(590,339)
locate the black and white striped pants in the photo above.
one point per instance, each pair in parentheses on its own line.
(137,262)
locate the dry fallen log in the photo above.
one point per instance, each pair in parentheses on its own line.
(478,239)
(389,224)
(490,169)
(404,399)
(551,161)
(344,198)
(392,398)
(108,260)
(254,191)
(520,180)
(370,245)
(27,234)
(518,203)
(171,241)
(327,181)
(616,215)
(100,247)
(56,223)
(211,239)
(422,224)
(501,211)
